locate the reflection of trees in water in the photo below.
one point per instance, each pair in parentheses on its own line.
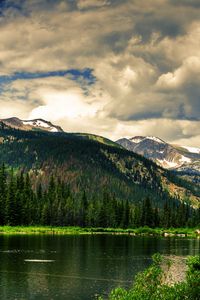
(84,264)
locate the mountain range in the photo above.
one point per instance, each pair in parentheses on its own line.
(181,159)
(88,162)
(185,161)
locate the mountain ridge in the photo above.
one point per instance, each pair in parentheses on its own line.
(86,162)
(181,159)
(131,167)
(33,124)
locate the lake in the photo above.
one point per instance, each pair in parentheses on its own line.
(78,267)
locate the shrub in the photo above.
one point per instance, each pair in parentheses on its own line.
(149,285)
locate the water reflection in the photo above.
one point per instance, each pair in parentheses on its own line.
(77,267)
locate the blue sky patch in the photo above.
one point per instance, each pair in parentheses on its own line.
(74,74)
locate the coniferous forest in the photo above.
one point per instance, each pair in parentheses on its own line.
(57,205)
(85,180)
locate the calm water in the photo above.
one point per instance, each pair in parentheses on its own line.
(77,267)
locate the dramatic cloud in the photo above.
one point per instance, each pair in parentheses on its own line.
(111,67)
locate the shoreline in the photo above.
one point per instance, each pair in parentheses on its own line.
(141,231)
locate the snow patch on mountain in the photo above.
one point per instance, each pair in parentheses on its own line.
(174,164)
(38,123)
(155,139)
(192,149)
(41,124)
(185,159)
(54,129)
(138,139)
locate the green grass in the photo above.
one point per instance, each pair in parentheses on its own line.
(141,231)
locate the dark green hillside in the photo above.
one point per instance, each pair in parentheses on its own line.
(88,163)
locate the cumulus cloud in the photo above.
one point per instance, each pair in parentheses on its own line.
(145,56)
(188,73)
(63,104)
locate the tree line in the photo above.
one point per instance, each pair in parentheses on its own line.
(57,205)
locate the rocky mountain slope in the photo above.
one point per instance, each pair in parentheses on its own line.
(90,163)
(185,160)
(36,124)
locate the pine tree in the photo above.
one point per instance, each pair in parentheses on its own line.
(83,210)
(3,188)
(51,199)
(156,222)
(166,218)
(10,208)
(147,213)
(126,215)
(137,216)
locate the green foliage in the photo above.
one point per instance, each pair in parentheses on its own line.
(150,285)
(193,277)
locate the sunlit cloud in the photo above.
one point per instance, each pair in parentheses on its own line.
(58,105)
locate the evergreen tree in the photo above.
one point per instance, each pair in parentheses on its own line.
(147,213)
(126,215)
(166,217)
(2,194)
(83,210)
(156,222)
(10,208)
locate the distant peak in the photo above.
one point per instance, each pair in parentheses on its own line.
(35,124)
(11,118)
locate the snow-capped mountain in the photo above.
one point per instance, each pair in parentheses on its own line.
(179,158)
(36,124)
(192,149)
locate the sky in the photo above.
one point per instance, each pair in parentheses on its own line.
(116,68)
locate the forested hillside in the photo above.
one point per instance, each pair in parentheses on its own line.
(57,205)
(85,167)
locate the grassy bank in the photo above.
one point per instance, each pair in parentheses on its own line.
(142,231)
